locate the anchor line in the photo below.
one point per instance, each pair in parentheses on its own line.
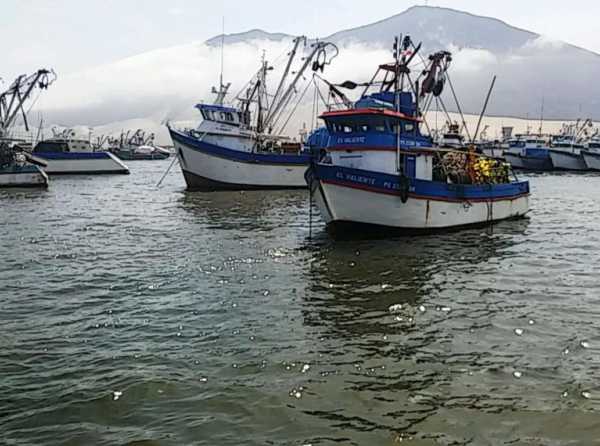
(310,213)
(175,159)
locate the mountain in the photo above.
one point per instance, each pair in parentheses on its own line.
(439,27)
(254,34)
(530,68)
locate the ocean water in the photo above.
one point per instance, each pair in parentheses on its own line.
(136,315)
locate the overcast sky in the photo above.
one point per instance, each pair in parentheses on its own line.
(70,35)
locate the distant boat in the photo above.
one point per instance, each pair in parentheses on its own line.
(528,152)
(591,153)
(17,169)
(566,154)
(137,147)
(243,146)
(491,149)
(139,153)
(452,138)
(495,148)
(66,154)
(377,173)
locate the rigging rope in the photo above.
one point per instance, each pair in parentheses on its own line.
(294,109)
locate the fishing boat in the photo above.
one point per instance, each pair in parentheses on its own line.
(65,153)
(243,146)
(136,147)
(591,153)
(17,169)
(378,172)
(452,138)
(566,155)
(493,148)
(528,152)
(567,146)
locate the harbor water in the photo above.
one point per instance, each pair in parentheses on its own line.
(132,315)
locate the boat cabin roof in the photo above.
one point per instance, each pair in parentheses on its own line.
(368,112)
(216,108)
(219,113)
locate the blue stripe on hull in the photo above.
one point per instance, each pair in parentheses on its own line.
(529,163)
(11,170)
(430,190)
(71,155)
(237,155)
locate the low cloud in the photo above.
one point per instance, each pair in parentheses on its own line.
(167,83)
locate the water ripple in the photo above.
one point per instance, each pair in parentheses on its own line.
(140,316)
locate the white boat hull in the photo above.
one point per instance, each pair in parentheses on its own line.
(26,176)
(104,163)
(207,171)
(339,204)
(592,160)
(567,160)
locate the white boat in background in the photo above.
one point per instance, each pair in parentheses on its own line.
(528,152)
(452,138)
(491,149)
(243,146)
(137,147)
(18,172)
(16,166)
(591,153)
(64,153)
(495,148)
(566,154)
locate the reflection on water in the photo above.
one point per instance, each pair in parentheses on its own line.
(142,316)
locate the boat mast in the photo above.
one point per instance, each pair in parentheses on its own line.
(276,107)
(13,99)
(399,165)
(261,86)
(541,117)
(223,88)
(292,55)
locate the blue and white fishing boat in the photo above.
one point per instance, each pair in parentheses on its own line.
(64,153)
(528,152)
(16,166)
(243,146)
(378,171)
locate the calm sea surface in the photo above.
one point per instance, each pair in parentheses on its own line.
(131,315)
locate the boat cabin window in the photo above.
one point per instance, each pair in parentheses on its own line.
(220,116)
(226,117)
(405,127)
(373,125)
(51,146)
